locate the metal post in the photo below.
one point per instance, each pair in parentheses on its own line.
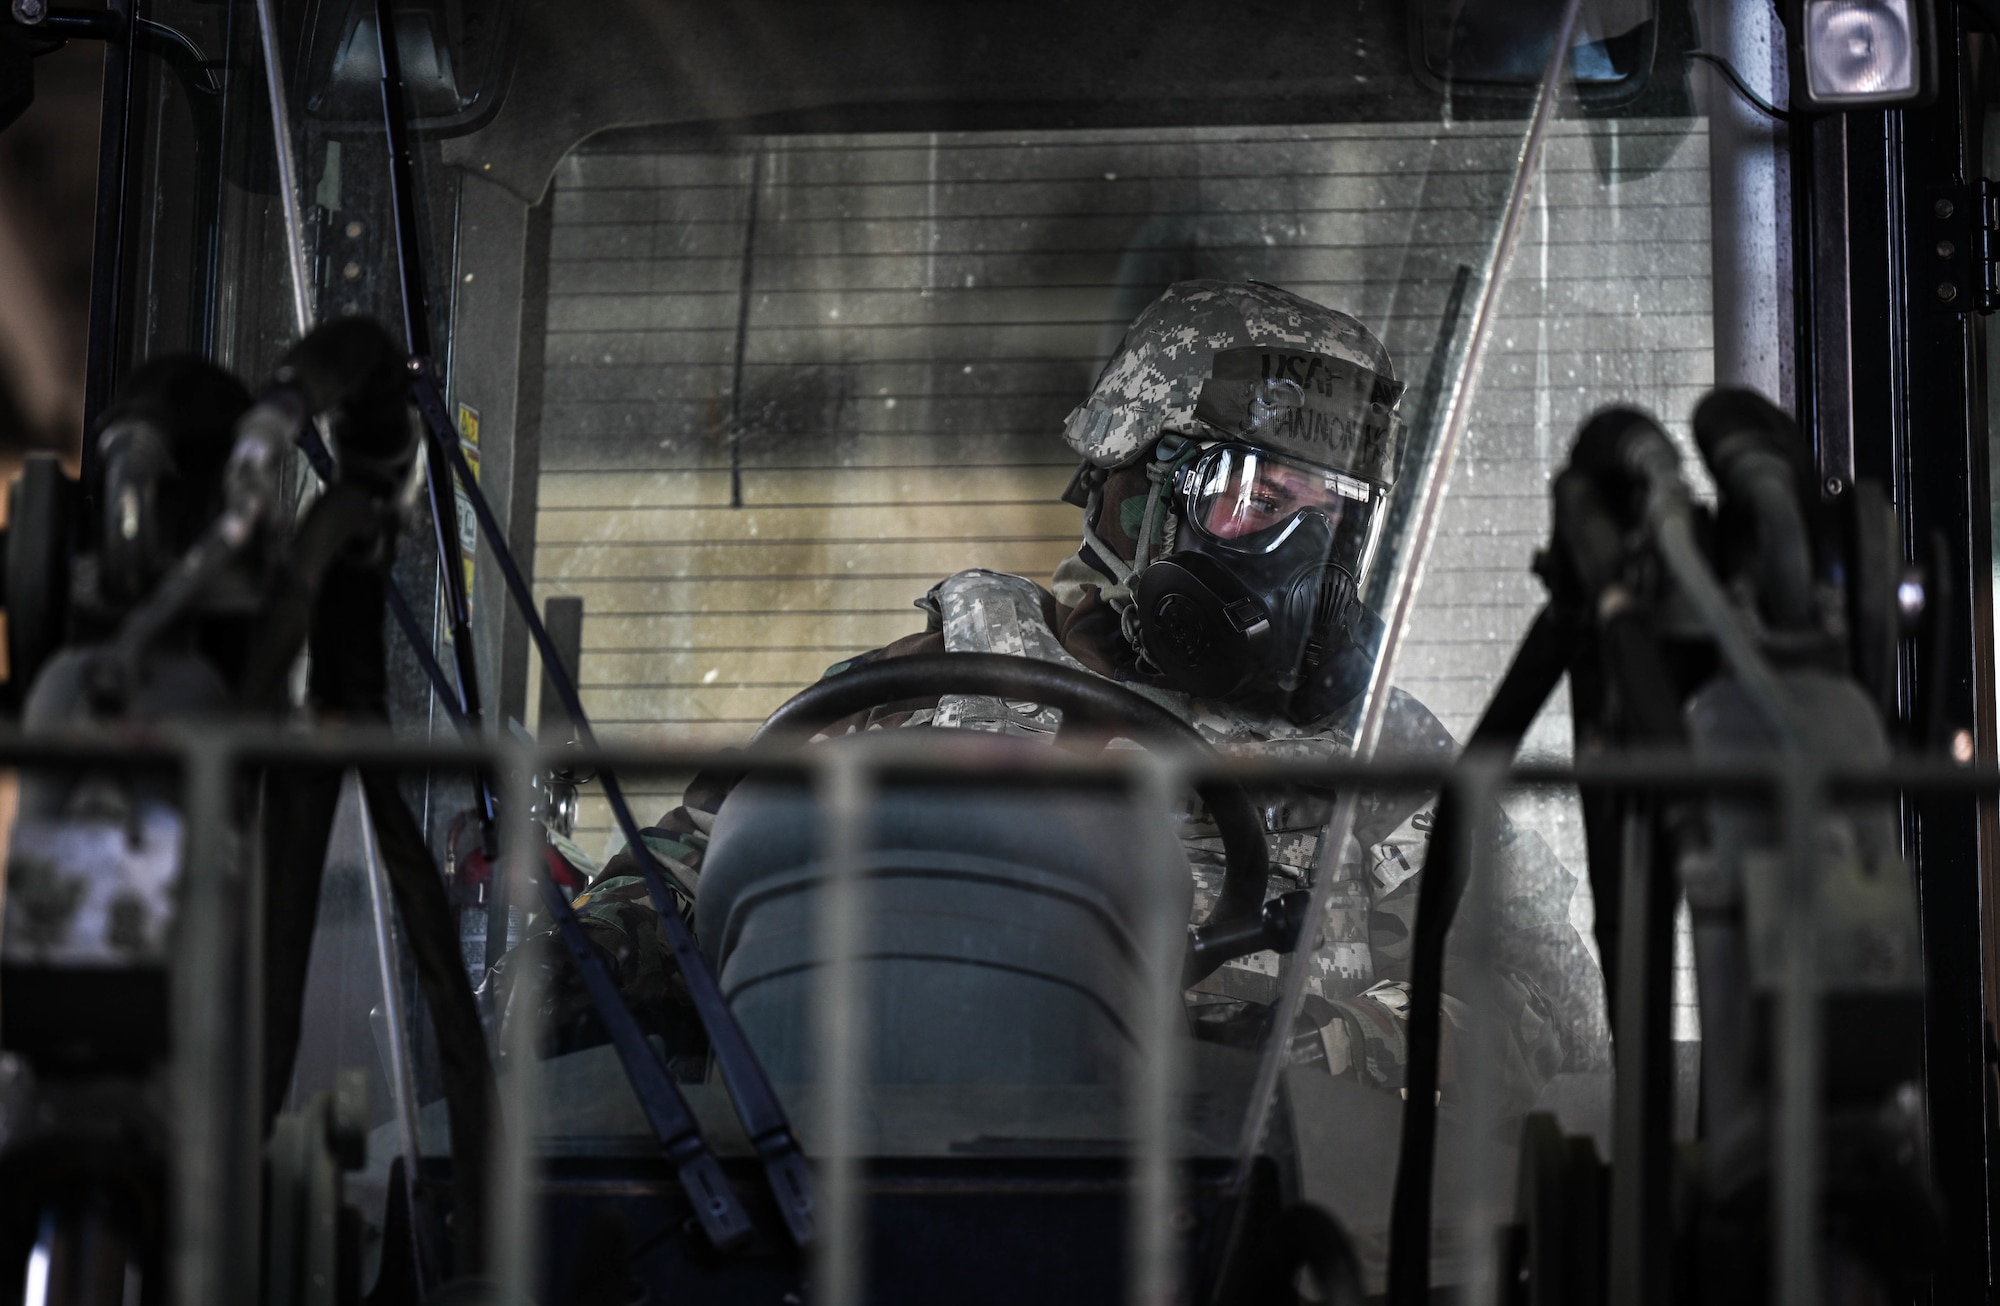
(288,168)
(1797,1111)
(107,260)
(1426,521)
(1474,790)
(1641,1181)
(402,1082)
(217,1061)
(1154,1087)
(402,188)
(845,787)
(513,1245)
(1832,388)
(746,285)
(437,461)
(1750,193)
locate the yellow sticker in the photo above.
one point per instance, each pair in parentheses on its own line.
(468,523)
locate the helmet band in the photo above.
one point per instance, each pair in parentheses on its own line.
(1310,406)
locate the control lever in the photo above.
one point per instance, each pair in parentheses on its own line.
(1275,928)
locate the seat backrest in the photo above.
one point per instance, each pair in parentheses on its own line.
(1002,939)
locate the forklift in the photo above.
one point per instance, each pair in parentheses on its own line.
(497,412)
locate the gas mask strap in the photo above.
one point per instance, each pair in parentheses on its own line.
(1120,596)
(1173,451)
(1157,475)
(1121,571)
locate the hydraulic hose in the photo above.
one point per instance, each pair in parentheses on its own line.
(350,371)
(1537,666)
(1625,443)
(1753,449)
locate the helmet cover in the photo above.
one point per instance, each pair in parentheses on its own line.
(1204,352)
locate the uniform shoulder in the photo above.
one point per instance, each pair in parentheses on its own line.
(1411,730)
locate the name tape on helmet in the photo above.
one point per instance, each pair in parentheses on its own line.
(1325,410)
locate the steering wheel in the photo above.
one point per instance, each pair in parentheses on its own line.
(1085,699)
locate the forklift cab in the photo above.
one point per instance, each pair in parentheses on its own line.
(713,341)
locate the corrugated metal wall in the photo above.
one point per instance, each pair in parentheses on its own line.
(791,384)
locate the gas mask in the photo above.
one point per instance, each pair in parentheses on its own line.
(1257,602)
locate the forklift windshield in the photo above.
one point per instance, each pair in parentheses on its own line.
(762,336)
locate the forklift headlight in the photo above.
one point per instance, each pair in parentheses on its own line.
(1859,48)
(1863,52)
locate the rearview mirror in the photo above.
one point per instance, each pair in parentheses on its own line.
(1501,47)
(456,54)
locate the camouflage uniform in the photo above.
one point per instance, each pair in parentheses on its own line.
(1164,370)
(619,921)
(1353,1021)
(1153,382)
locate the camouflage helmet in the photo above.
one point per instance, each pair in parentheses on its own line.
(1199,361)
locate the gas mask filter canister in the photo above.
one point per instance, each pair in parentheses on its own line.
(1257,601)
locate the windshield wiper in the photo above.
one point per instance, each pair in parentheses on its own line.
(715,1205)
(750,1091)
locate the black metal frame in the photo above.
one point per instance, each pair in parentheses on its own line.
(123,113)
(1892,384)
(108,288)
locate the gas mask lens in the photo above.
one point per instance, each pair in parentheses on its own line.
(1253,499)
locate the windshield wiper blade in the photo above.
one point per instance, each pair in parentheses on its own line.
(750,1092)
(715,1204)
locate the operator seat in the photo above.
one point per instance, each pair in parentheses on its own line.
(1003,938)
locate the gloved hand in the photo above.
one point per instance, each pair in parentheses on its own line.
(537,981)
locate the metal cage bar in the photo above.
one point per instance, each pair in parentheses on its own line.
(218,1061)
(845,787)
